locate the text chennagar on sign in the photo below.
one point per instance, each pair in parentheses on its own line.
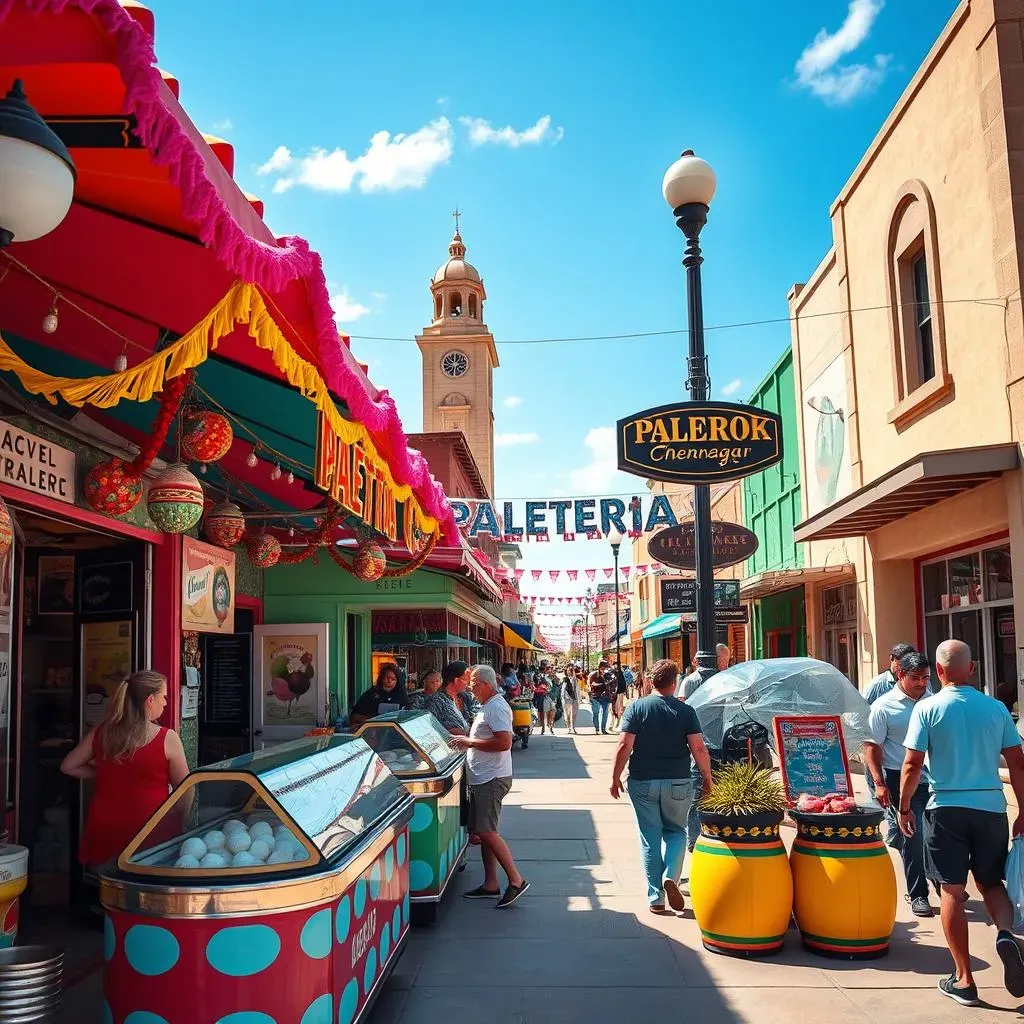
(37,465)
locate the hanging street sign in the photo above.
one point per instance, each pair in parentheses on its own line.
(699,442)
(681,595)
(730,543)
(723,617)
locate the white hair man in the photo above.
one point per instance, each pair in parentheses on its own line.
(489,767)
(964,732)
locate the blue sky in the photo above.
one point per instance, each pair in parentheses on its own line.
(565,222)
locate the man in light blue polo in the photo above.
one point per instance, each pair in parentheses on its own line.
(963,732)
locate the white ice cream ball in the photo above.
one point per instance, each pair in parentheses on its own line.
(194,848)
(281,833)
(244,859)
(260,849)
(285,846)
(261,828)
(299,854)
(214,860)
(280,857)
(230,826)
(238,840)
(186,861)
(214,840)
(255,818)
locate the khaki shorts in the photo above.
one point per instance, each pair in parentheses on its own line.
(485,804)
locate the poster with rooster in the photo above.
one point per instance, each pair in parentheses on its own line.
(291,677)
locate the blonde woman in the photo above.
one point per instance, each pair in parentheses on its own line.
(134,762)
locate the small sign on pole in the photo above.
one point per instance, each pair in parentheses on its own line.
(812,755)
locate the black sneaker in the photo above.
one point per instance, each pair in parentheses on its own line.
(1010,953)
(512,893)
(674,895)
(965,995)
(920,907)
(480,893)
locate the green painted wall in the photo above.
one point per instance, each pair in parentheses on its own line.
(323,592)
(771,499)
(780,611)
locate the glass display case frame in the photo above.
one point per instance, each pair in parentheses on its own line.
(399,723)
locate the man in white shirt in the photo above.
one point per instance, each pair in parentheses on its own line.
(489,767)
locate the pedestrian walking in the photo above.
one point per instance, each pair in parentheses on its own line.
(886,681)
(554,699)
(964,732)
(541,700)
(571,698)
(619,699)
(660,734)
(489,769)
(602,689)
(883,756)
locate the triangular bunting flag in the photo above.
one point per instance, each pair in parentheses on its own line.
(572,574)
(553,574)
(536,574)
(641,569)
(519,573)
(591,573)
(625,571)
(609,573)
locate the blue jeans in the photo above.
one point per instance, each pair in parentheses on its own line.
(693,818)
(661,806)
(602,707)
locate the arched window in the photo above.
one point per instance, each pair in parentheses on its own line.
(472,306)
(438,307)
(914,285)
(455,304)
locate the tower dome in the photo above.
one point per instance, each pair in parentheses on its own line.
(457,268)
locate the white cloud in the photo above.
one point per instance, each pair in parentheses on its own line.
(732,387)
(390,163)
(378,296)
(346,309)
(222,127)
(508,440)
(482,133)
(512,402)
(819,70)
(596,477)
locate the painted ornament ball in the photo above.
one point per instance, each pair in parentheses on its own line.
(113,487)
(205,436)
(225,524)
(175,500)
(369,562)
(264,551)
(6,528)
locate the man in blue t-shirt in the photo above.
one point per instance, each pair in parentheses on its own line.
(963,732)
(658,735)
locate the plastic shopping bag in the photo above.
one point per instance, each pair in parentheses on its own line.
(1015,882)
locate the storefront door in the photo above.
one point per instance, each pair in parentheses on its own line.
(839,615)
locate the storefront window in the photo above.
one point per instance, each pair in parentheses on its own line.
(839,616)
(969,597)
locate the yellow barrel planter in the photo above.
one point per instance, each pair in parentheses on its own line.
(844,885)
(741,887)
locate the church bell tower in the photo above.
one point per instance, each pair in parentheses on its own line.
(459,358)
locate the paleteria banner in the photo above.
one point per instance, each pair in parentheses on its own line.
(207,587)
(699,442)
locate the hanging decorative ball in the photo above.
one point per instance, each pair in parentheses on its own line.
(205,436)
(369,561)
(121,362)
(264,550)
(225,524)
(113,487)
(52,319)
(251,460)
(6,528)
(175,500)
(275,473)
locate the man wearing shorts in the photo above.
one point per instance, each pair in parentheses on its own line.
(489,767)
(963,732)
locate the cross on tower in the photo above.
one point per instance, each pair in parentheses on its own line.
(456,214)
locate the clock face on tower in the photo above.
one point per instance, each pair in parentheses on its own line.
(454,364)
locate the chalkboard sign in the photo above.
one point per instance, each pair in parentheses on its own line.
(105,589)
(227,679)
(812,755)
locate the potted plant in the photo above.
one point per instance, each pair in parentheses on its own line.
(740,882)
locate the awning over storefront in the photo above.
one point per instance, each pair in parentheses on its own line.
(924,480)
(765,583)
(522,629)
(510,638)
(662,626)
(387,641)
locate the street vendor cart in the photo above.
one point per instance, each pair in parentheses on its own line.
(274,886)
(413,744)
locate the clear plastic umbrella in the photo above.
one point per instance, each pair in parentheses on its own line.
(757,691)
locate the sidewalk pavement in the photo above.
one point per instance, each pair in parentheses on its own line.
(581,945)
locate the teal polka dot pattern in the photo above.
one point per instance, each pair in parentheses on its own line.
(442,867)
(320,1011)
(151,950)
(359,899)
(243,950)
(389,864)
(144,1017)
(370,971)
(396,923)
(422,817)
(349,1003)
(315,939)
(107,1016)
(375,874)
(109,938)
(421,874)
(400,849)
(344,919)
(245,1017)
(405,909)
(385,943)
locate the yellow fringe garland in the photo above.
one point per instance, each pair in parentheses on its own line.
(243,304)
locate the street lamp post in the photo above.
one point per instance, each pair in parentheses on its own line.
(615,539)
(588,604)
(688,187)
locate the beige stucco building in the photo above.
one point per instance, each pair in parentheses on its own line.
(909,365)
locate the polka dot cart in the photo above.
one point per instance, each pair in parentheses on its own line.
(270,889)
(413,744)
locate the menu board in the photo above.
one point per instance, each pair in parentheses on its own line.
(812,755)
(227,677)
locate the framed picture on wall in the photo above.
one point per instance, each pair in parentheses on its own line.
(56,586)
(290,678)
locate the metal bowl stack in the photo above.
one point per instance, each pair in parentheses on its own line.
(30,984)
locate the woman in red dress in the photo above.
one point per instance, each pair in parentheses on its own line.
(134,762)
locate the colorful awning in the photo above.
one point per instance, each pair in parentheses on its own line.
(662,626)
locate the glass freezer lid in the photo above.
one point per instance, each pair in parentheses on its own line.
(410,742)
